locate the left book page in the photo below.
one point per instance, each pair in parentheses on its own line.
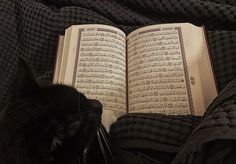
(93,60)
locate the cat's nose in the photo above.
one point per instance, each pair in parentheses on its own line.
(96,104)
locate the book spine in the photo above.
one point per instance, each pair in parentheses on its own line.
(127,93)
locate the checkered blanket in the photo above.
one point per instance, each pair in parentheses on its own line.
(29,29)
(161,139)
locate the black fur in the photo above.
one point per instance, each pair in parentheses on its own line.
(46,125)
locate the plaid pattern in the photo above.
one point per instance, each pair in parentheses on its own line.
(182,139)
(171,130)
(29,29)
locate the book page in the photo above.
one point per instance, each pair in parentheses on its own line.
(97,65)
(169,70)
(64,56)
(58,63)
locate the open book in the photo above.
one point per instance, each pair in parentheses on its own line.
(160,68)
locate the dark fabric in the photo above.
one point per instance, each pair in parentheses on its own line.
(29,29)
(182,139)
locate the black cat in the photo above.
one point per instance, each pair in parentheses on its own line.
(46,125)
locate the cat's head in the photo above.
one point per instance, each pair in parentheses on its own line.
(52,124)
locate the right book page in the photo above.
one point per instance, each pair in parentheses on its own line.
(169,70)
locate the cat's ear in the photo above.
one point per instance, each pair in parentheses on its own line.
(24,84)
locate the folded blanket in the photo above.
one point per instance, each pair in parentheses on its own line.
(157,138)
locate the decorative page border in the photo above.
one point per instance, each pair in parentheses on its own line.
(76,57)
(185,69)
(190,100)
(183,57)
